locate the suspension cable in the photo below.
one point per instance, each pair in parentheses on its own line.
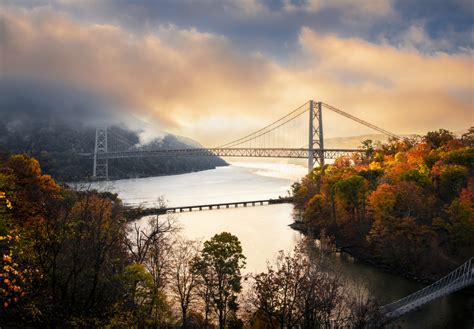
(365,123)
(267,132)
(258,131)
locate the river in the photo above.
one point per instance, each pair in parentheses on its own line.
(264,230)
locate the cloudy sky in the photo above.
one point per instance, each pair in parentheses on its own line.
(216,69)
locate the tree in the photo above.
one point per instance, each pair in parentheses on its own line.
(70,243)
(368,147)
(184,277)
(300,290)
(461,220)
(451,180)
(468,137)
(219,265)
(151,246)
(436,139)
(352,191)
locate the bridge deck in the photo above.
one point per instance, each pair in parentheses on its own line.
(295,153)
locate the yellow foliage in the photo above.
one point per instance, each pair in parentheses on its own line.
(12,277)
(375,165)
(400,157)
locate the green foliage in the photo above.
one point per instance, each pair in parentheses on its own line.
(368,147)
(371,175)
(219,265)
(452,179)
(463,157)
(431,159)
(461,227)
(413,175)
(352,189)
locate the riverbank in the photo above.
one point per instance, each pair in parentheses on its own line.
(359,255)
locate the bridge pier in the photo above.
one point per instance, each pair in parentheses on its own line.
(316,138)
(101,164)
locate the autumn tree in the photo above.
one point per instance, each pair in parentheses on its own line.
(70,242)
(461,220)
(219,265)
(416,214)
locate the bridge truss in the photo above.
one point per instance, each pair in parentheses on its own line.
(299,135)
(294,153)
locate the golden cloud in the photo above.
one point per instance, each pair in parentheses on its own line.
(193,82)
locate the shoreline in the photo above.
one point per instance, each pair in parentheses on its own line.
(301,227)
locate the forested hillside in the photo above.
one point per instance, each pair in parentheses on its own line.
(406,205)
(56,145)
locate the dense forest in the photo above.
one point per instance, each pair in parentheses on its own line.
(406,205)
(57,144)
(69,259)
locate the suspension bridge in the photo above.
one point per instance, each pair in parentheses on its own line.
(274,141)
(297,135)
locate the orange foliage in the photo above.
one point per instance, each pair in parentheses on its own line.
(382,201)
(32,194)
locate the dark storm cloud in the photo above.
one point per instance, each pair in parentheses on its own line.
(272,26)
(25,99)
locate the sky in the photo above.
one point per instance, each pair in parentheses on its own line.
(214,70)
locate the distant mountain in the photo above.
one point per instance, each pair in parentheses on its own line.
(56,145)
(353,142)
(356,141)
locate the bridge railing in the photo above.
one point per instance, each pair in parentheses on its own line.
(461,277)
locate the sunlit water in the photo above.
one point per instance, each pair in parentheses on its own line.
(264,230)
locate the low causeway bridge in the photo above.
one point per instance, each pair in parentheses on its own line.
(213,206)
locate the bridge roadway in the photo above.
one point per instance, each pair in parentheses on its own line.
(296,153)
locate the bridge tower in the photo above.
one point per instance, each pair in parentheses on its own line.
(316,141)
(101,164)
